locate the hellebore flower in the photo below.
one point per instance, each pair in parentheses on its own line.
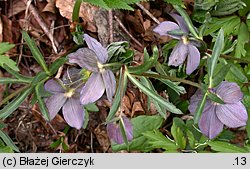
(114,131)
(185,48)
(68,100)
(101,79)
(233,113)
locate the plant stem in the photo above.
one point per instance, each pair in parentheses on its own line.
(13,94)
(157,76)
(232,58)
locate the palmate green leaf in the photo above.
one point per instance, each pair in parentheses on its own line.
(212,61)
(5,46)
(243,38)
(145,123)
(158,140)
(91,107)
(228,24)
(123,132)
(14,104)
(11,80)
(5,60)
(113,4)
(163,102)
(178,136)
(140,125)
(8,141)
(205,4)
(226,147)
(236,74)
(35,51)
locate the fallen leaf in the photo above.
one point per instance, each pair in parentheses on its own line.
(17,6)
(102,137)
(50,7)
(87,12)
(137,109)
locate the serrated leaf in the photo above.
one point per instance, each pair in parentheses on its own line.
(226,147)
(140,125)
(178,136)
(228,24)
(243,38)
(7,61)
(145,123)
(158,140)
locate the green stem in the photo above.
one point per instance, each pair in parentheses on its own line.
(231,58)
(6,99)
(157,76)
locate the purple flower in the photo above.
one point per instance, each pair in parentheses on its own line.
(101,79)
(185,48)
(68,100)
(233,113)
(114,131)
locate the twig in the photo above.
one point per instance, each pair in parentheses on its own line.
(148,13)
(127,32)
(40,21)
(111,30)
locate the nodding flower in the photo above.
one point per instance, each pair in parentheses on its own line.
(186,48)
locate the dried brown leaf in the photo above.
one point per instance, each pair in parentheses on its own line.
(137,109)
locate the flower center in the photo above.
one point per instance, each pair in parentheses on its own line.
(69,93)
(185,40)
(101,67)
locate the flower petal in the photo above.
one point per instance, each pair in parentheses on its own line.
(209,123)
(181,22)
(53,87)
(93,89)
(100,51)
(110,83)
(114,131)
(194,101)
(54,103)
(73,113)
(232,115)
(229,92)
(166,26)
(178,55)
(128,127)
(193,60)
(85,58)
